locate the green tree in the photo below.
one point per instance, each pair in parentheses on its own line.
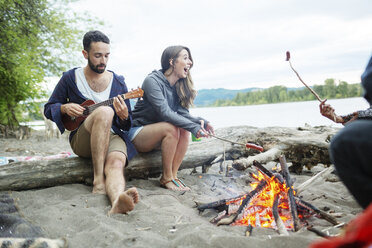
(342,90)
(282,94)
(330,89)
(38,38)
(319,90)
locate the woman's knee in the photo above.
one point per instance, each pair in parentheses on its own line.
(171,130)
(184,134)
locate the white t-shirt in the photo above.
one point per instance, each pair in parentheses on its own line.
(85,89)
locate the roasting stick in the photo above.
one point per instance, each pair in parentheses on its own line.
(247,145)
(302,81)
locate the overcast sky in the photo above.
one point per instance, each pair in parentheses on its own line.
(239,44)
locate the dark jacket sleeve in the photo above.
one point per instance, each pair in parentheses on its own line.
(156,98)
(365,114)
(52,109)
(367,85)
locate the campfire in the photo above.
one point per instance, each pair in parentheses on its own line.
(272,203)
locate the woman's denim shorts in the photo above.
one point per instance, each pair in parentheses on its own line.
(132,133)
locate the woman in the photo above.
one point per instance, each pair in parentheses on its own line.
(162,117)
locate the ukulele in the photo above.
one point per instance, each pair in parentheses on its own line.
(71,123)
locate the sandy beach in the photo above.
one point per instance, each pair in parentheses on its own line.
(163,218)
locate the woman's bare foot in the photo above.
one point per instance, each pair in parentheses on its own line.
(125,202)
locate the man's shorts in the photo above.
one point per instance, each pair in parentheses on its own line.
(80,143)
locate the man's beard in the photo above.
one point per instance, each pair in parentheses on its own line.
(95,67)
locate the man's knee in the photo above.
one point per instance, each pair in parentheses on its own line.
(103,114)
(105,111)
(114,164)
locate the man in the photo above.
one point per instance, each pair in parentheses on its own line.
(101,135)
(351,148)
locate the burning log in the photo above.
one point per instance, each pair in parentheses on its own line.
(311,208)
(279,222)
(291,200)
(262,169)
(218,204)
(298,201)
(248,197)
(270,204)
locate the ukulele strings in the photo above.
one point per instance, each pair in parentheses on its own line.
(91,108)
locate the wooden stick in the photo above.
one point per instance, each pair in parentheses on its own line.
(302,81)
(279,222)
(291,200)
(313,180)
(263,170)
(311,90)
(247,145)
(322,214)
(318,232)
(218,203)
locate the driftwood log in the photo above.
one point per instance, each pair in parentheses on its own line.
(302,146)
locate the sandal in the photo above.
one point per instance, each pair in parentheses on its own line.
(163,185)
(183,184)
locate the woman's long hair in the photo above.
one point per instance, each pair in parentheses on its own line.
(184,86)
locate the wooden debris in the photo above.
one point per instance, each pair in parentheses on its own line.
(313,180)
(248,231)
(318,232)
(303,147)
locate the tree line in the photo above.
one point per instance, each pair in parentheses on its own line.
(278,94)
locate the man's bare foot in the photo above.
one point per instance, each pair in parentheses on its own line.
(125,202)
(134,194)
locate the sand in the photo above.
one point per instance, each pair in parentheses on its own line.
(163,218)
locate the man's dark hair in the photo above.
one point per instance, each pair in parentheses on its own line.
(94,36)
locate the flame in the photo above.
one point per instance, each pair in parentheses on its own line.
(259,210)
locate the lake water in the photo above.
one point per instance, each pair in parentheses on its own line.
(293,114)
